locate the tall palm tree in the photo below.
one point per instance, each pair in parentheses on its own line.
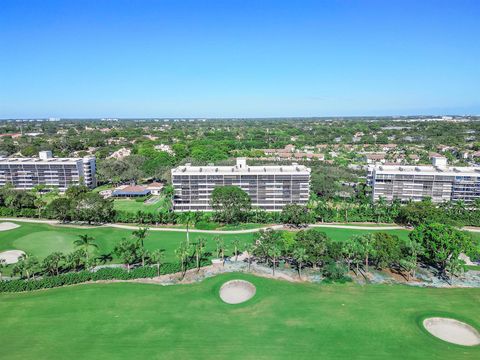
(250,249)
(199,250)
(220,248)
(157,257)
(300,256)
(274,253)
(140,235)
(236,245)
(86,242)
(182,253)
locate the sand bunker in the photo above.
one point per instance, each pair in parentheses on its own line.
(4,226)
(453,331)
(11,256)
(237,291)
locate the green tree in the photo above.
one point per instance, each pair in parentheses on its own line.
(76,259)
(386,249)
(220,245)
(230,202)
(183,253)
(300,256)
(85,242)
(366,243)
(127,251)
(199,247)
(51,264)
(295,215)
(274,253)
(3,265)
(314,242)
(236,246)
(156,257)
(442,244)
(140,235)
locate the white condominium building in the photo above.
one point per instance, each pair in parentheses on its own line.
(60,173)
(439,182)
(269,187)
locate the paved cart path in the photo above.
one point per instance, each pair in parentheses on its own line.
(173,229)
(245,231)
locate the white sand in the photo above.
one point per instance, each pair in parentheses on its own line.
(11,256)
(237,291)
(453,331)
(4,226)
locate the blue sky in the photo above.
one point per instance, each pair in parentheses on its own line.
(242,58)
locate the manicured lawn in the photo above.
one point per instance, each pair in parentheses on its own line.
(283,320)
(43,239)
(130,205)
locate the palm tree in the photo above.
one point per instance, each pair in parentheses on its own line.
(189,217)
(250,250)
(140,235)
(28,264)
(86,242)
(300,256)
(52,262)
(274,253)
(366,243)
(220,248)
(182,253)
(126,250)
(75,259)
(199,250)
(157,257)
(236,245)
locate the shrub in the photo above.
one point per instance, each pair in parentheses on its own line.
(72,278)
(205,225)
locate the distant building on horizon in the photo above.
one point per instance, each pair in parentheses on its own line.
(269,187)
(60,173)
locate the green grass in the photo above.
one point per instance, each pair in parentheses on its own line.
(283,320)
(42,239)
(130,205)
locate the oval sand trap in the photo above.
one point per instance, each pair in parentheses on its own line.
(453,331)
(11,256)
(4,226)
(237,291)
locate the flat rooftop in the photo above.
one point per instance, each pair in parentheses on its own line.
(241,168)
(427,170)
(29,161)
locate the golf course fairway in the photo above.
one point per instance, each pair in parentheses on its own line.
(283,320)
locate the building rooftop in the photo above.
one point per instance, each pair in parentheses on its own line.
(241,168)
(427,169)
(45,157)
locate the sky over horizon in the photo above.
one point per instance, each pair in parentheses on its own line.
(238,58)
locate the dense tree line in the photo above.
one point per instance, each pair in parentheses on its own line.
(435,245)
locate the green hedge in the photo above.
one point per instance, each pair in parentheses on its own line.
(72,278)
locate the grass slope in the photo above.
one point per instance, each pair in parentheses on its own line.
(283,320)
(43,239)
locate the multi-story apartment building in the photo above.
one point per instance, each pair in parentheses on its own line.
(60,173)
(269,187)
(439,182)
